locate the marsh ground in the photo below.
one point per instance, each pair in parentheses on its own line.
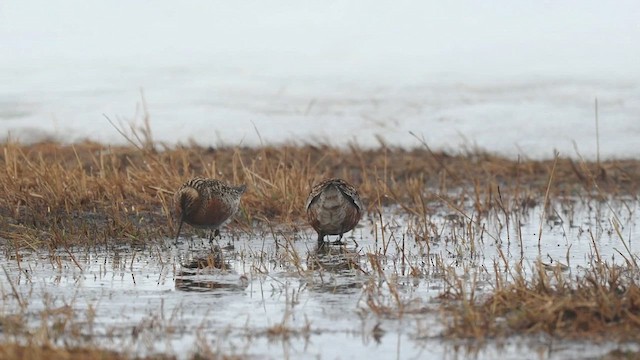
(467,255)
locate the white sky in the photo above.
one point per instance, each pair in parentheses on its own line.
(457,71)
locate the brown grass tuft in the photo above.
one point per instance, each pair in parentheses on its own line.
(19,352)
(603,303)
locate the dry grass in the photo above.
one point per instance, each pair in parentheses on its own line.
(602,303)
(13,351)
(56,195)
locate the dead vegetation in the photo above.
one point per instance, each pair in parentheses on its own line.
(14,351)
(56,195)
(602,303)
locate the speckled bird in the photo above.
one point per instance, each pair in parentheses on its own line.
(206,203)
(333,208)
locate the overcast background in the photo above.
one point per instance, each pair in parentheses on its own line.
(515,78)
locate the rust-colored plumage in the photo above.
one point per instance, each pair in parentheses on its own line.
(333,208)
(206,203)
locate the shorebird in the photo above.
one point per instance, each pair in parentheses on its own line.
(206,203)
(333,208)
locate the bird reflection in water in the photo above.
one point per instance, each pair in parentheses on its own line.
(203,284)
(213,259)
(338,270)
(209,272)
(333,259)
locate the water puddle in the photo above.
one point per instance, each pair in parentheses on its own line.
(277,295)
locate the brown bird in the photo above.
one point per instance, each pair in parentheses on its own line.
(206,203)
(333,208)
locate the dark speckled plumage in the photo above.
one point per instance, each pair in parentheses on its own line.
(206,203)
(333,208)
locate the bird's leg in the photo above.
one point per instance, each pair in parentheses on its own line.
(320,239)
(212,235)
(338,241)
(321,249)
(179,228)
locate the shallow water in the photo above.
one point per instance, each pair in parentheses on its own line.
(275,294)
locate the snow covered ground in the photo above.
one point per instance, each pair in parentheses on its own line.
(508,77)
